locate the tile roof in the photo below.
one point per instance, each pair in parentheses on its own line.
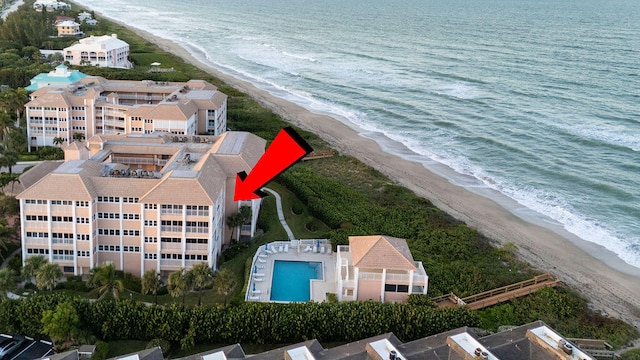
(380,252)
(31,176)
(69,181)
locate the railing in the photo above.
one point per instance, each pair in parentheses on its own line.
(168,228)
(369,276)
(165,262)
(62,241)
(62,258)
(61,225)
(132,160)
(35,208)
(35,224)
(37,241)
(197,247)
(197,229)
(171,211)
(61,209)
(397,277)
(197,212)
(170,246)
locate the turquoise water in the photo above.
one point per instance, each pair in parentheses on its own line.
(291,280)
(537,101)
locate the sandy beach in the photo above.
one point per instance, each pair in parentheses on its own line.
(615,292)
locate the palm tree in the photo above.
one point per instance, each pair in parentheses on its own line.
(13,100)
(105,279)
(233,222)
(47,276)
(58,140)
(224,282)
(151,282)
(32,265)
(8,281)
(202,276)
(78,136)
(179,283)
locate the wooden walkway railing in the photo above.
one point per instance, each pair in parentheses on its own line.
(506,293)
(319,155)
(498,295)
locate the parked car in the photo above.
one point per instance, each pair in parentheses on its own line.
(8,347)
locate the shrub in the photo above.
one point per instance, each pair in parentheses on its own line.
(233,251)
(15,264)
(50,153)
(102,349)
(164,345)
(297,208)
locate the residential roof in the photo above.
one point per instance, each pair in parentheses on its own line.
(519,343)
(193,174)
(30,177)
(98,43)
(381,252)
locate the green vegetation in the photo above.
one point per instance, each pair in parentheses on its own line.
(631,355)
(248,322)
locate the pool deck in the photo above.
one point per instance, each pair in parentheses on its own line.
(298,250)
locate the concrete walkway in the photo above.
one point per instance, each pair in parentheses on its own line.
(281,213)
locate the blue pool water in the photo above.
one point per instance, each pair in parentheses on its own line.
(291,279)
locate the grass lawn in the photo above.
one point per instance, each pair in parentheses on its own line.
(304,225)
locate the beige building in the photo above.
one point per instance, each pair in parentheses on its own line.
(138,201)
(103,51)
(379,268)
(94,105)
(69,28)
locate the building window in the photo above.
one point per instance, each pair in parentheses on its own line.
(150,239)
(149,256)
(396,288)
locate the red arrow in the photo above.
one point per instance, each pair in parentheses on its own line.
(287,148)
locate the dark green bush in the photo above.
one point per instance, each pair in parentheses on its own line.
(102,349)
(50,153)
(297,208)
(164,345)
(233,251)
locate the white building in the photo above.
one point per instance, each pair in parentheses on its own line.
(103,51)
(50,5)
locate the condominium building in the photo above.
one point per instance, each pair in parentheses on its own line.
(138,201)
(379,268)
(103,51)
(94,105)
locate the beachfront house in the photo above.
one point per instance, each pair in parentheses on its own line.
(69,28)
(103,51)
(50,5)
(379,268)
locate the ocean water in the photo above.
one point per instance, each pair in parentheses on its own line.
(538,101)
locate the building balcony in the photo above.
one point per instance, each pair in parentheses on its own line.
(36,225)
(62,258)
(170,246)
(197,230)
(173,229)
(61,226)
(35,208)
(197,247)
(202,213)
(62,242)
(36,241)
(171,263)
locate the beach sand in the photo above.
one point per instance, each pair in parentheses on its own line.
(615,293)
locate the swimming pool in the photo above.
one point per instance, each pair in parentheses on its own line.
(291,279)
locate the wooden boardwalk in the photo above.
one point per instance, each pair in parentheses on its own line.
(501,294)
(319,155)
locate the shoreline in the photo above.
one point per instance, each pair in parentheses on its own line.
(612,289)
